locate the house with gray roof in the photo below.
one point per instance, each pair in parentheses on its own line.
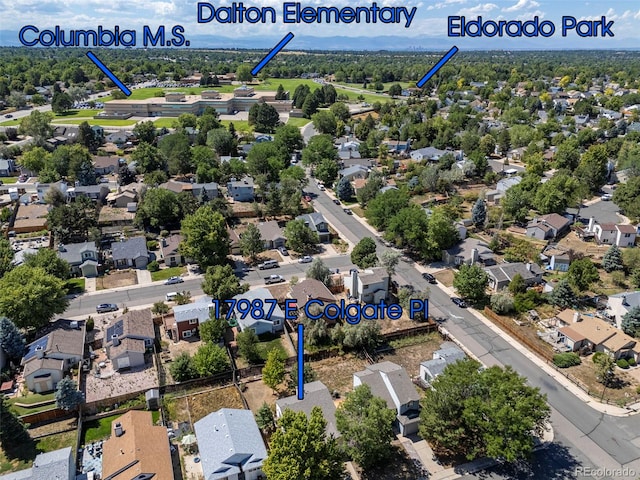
(230,445)
(354,172)
(316,222)
(82,257)
(316,394)
(308,289)
(7,167)
(618,305)
(97,193)
(391,382)
(241,190)
(128,337)
(506,183)
(469,251)
(274,324)
(187,318)
(448,354)
(500,275)
(58,465)
(272,235)
(131,253)
(428,153)
(368,286)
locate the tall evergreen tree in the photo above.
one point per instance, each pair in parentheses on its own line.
(479,212)
(612,259)
(11,340)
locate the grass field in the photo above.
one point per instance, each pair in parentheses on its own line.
(165,122)
(7,180)
(166,273)
(95,430)
(297,122)
(11,123)
(95,121)
(76,285)
(239,125)
(77,113)
(264,347)
(31,399)
(25,454)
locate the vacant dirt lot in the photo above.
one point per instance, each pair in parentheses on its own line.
(337,372)
(195,406)
(256,393)
(623,390)
(123,278)
(411,356)
(445,277)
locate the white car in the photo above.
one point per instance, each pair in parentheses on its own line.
(305,259)
(606,197)
(321,187)
(174,280)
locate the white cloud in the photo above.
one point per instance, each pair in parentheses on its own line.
(521,5)
(480,8)
(446,3)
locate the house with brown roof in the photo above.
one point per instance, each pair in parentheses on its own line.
(137,449)
(124,196)
(308,289)
(170,248)
(31,218)
(234,242)
(105,165)
(272,235)
(548,226)
(595,335)
(128,337)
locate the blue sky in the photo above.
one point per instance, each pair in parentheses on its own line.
(430,21)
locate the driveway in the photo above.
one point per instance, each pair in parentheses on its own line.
(601,211)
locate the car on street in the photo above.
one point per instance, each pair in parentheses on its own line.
(8,116)
(273,279)
(284,251)
(321,187)
(173,280)
(429,278)
(606,197)
(459,302)
(305,259)
(347,211)
(336,201)
(107,307)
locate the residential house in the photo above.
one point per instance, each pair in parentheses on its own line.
(51,355)
(241,190)
(128,337)
(106,165)
(392,383)
(58,465)
(398,146)
(612,234)
(273,324)
(587,333)
(560,263)
(316,222)
(43,188)
(469,251)
(82,257)
(316,394)
(308,289)
(170,249)
(354,172)
(130,253)
(369,286)
(549,226)
(125,195)
(448,354)
(31,218)
(500,275)
(428,153)
(7,167)
(506,183)
(358,183)
(137,449)
(230,445)
(618,305)
(20,256)
(196,189)
(234,242)
(272,235)
(97,193)
(187,318)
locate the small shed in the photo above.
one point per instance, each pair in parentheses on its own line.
(153,399)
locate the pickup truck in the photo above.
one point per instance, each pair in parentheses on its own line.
(273,279)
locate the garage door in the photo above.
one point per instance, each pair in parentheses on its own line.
(123,363)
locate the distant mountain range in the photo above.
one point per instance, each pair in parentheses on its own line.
(395,43)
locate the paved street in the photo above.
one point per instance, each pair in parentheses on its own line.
(601,211)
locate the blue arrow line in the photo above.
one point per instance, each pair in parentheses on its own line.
(109,73)
(437,66)
(300,362)
(274,51)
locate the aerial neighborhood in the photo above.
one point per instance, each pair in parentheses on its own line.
(166,259)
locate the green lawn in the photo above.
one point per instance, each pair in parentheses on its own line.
(166,273)
(77,113)
(155,416)
(11,123)
(25,454)
(97,121)
(165,122)
(33,398)
(269,343)
(76,285)
(95,430)
(7,180)
(297,122)
(239,125)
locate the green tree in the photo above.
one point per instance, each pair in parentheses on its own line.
(612,259)
(222,284)
(582,273)
(175,150)
(213,329)
(6,256)
(61,102)
(475,413)
(362,335)
(289,138)
(341,111)
(563,295)
(502,303)
(300,449)
(88,138)
(409,229)
(50,262)
(631,322)
(264,117)
(251,243)
(206,238)
(38,126)
(325,122)
(221,141)
(72,222)
(182,368)
(364,253)
(300,237)
(35,159)
(471,282)
(145,132)
(382,208)
(67,395)
(366,425)
(11,340)
(395,90)
(210,359)
(327,171)
(592,169)
(160,308)
(247,342)
(31,297)
(147,158)
(320,148)
(273,370)
(479,213)
(319,271)
(265,419)
(266,159)
(389,260)
(280,93)
(344,190)
(14,437)
(517,285)
(159,208)
(487,145)
(605,369)
(243,74)
(441,232)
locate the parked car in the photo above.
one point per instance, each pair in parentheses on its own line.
(8,116)
(459,302)
(429,278)
(606,197)
(174,280)
(268,264)
(107,307)
(305,259)
(284,251)
(347,211)
(336,201)
(273,279)
(321,187)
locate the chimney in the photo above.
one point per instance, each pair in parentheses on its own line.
(164,242)
(624,300)
(576,317)
(118,431)
(115,339)
(474,255)
(529,266)
(591,223)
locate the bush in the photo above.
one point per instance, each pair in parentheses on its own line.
(164,233)
(622,363)
(90,323)
(566,360)
(631,362)
(152,245)
(153,266)
(597,357)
